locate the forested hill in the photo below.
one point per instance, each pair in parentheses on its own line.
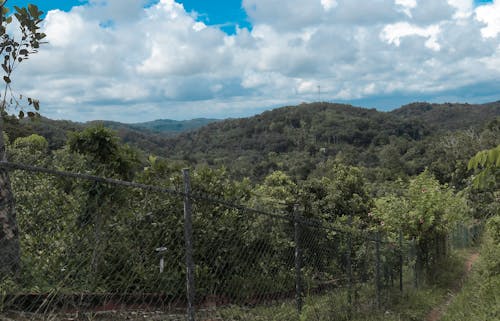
(148,136)
(295,138)
(163,126)
(449,116)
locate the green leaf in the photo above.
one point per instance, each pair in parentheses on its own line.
(21,114)
(6,79)
(493,156)
(33,10)
(36,104)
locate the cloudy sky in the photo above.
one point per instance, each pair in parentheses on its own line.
(139,60)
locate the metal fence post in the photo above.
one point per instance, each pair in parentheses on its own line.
(416,264)
(401,261)
(377,268)
(188,238)
(349,265)
(298,260)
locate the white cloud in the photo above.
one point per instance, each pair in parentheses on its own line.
(490,15)
(395,32)
(406,6)
(464,8)
(129,63)
(329,4)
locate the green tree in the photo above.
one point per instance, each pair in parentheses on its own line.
(14,51)
(104,156)
(425,211)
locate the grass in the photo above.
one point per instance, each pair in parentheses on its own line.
(412,305)
(479,299)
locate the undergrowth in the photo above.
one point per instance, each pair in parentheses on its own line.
(479,299)
(411,305)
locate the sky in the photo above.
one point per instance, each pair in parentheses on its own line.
(140,60)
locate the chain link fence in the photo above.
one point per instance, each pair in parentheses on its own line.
(95,248)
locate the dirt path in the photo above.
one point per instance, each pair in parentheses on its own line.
(437,312)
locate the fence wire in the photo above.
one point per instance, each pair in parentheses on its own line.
(96,248)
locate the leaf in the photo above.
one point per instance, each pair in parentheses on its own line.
(21,114)
(33,10)
(493,155)
(9,19)
(36,104)
(6,79)
(31,114)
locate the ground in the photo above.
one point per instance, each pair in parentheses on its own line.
(438,311)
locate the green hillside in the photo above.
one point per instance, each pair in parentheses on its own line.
(173,126)
(147,136)
(296,138)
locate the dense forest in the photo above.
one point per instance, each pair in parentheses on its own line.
(389,144)
(297,139)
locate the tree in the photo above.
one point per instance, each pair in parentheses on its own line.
(14,51)
(426,211)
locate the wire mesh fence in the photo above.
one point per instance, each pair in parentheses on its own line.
(126,251)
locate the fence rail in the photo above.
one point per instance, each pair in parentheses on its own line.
(109,245)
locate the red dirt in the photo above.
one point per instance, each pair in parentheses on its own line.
(437,312)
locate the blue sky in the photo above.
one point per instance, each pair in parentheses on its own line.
(227,14)
(138,60)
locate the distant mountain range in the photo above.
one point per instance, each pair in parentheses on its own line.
(163,126)
(148,136)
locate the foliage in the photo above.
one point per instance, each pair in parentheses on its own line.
(164,126)
(425,209)
(480,295)
(17,50)
(104,153)
(489,163)
(14,51)
(296,139)
(102,229)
